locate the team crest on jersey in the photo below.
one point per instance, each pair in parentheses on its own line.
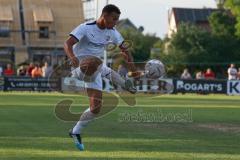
(108,38)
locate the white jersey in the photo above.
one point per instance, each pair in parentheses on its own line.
(232,73)
(92,40)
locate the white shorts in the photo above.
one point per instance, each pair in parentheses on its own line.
(95,81)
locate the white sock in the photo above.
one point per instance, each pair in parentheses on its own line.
(85,118)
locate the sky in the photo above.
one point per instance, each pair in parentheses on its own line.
(153,14)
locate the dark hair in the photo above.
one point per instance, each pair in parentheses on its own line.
(111,8)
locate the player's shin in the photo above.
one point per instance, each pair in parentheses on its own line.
(117,79)
(113,76)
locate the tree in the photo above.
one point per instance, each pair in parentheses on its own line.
(186,47)
(189,44)
(197,48)
(234,6)
(225,42)
(158,49)
(222,24)
(142,44)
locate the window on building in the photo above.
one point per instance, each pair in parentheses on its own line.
(6,19)
(4,31)
(44,32)
(43,19)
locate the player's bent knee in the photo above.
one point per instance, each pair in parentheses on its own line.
(106,71)
(89,65)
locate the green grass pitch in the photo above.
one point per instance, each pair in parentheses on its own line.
(167,127)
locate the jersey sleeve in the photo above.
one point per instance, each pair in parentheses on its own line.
(79,32)
(118,39)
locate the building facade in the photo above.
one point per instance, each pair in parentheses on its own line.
(35,30)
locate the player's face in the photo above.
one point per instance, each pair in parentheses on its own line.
(111,19)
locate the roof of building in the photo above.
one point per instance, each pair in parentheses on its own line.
(192,15)
(125,24)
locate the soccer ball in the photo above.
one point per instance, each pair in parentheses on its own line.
(154,69)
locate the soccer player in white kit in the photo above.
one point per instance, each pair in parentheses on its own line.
(84,47)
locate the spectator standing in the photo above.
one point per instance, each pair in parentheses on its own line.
(46,70)
(238,74)
(232,72)
(29,69)
(36,72)
(1,71)
(9,70)
(209,74)
(21,71)
(199,75)
(186,74)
